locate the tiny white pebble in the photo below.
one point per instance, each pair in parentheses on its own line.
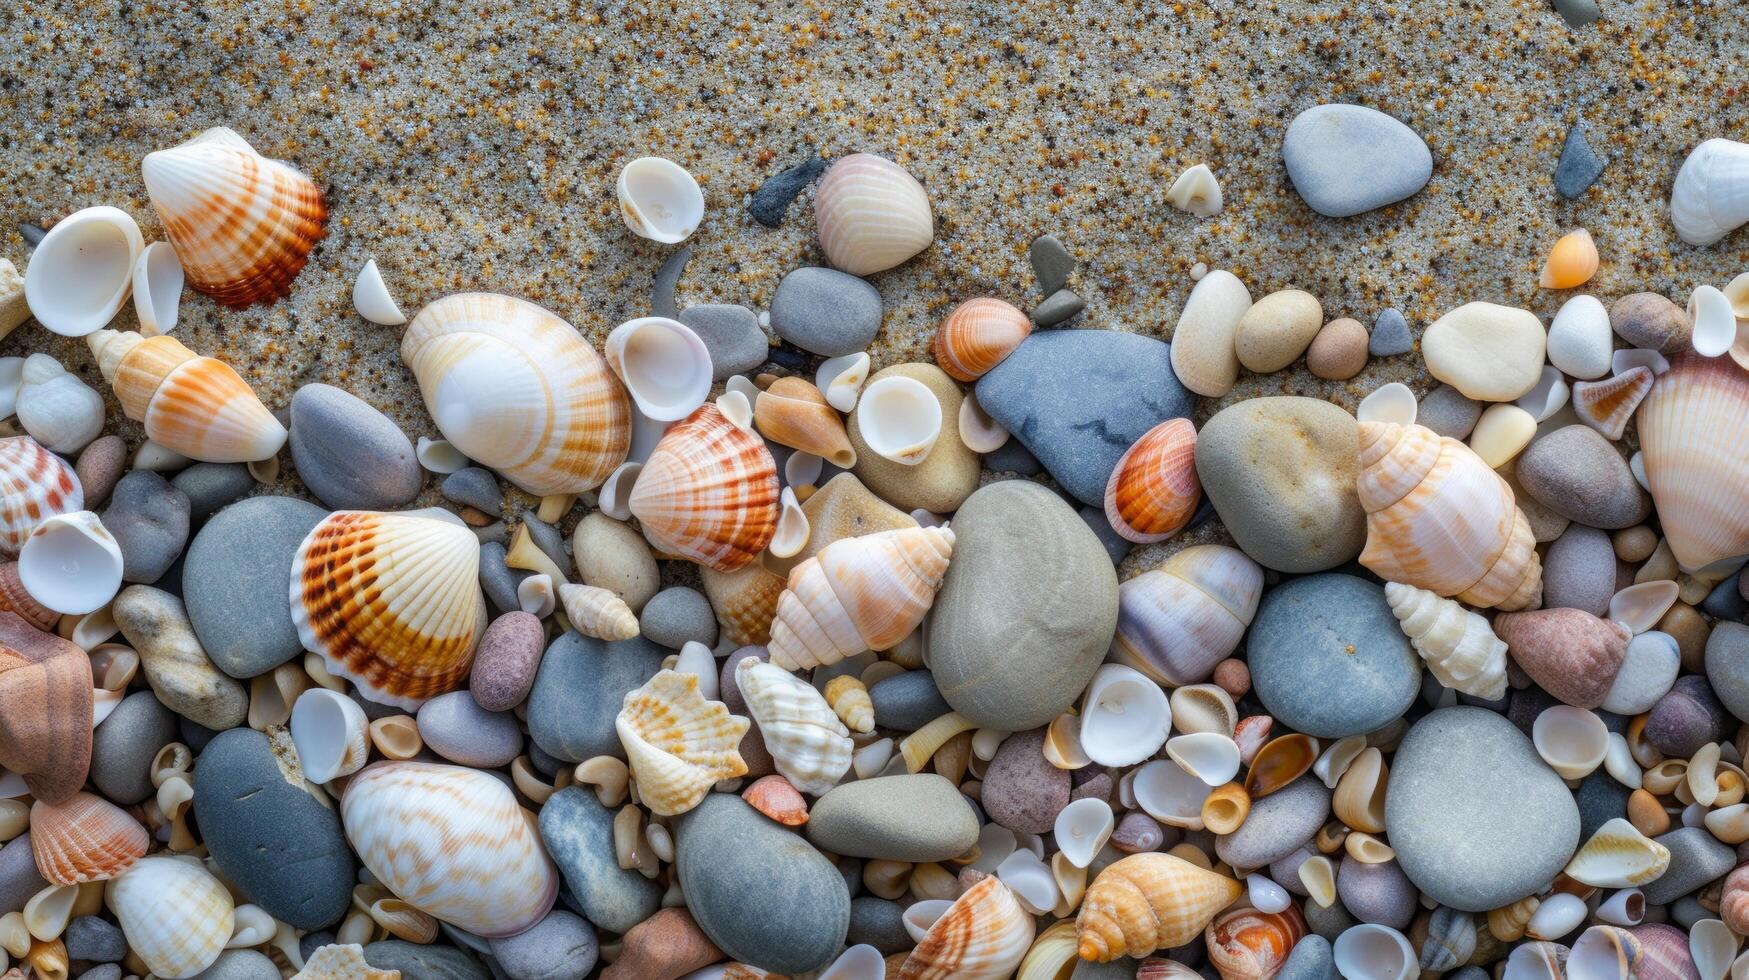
(1198,270)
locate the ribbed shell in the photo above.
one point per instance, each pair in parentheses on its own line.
(1178,621)
(677,743)
(84,839)
(1710,197)
(1439,519)
(1693,428)
(983,935)
(857,594)
(808,743)
(977,335)
(453,842)
(517,389)
(1153,489)
(45,710)
(708,492)
(745,602)
(14,598)
(35,485)
(793,413)
(598,612)
(1146,902)
(392,602)
(1458,645)
(872,214)
(1607,405)
(243,225)
(175,915)
(195,405)
(1246,944)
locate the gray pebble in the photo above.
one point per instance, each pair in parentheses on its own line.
(1579,166)
(210,486)
(909,817)
(579,690)
(1727,666)
(1600,799)
(906,702)
(1277,825)
(1578,13)
(425,962)
(349,455)
(1390,334)
(1448,412)
(496,532)
(1648,670)
(1059,307)
(240,964)
(103,971)
(1328,922)
(497,579)
(678,614)
(547,538)
(1122,968)
(826,312)
(1687,717)
(1051,263)
(879,923)
(731,333)
(235,582)
(98,940)
(1349,159)
(19,879)
(474,487)
(667,279)
(560,947)
(1013,457)
(149,520)
(1696,858)
(1378,893)
(1286,871)
(1579,571)
(1725,601)
(772,199)
(1311,959)
(454,726)
(1115,544)
(1579,475)
(123,746)
(309,942)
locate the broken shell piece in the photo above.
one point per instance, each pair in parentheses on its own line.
(331,734)
(1609,404)
(980,432)
(616,491)
(737,409)
(1713,947)
(1209,756)
(802,469)
(1639,607)
(659,200)
(899,418)
(439,456)
(71,563)
(83,270)
(1624,908)
(1124,717)
(1618,856)
(840,379)
(1571,740)
(793,529)
(1169,794)
(1196,191)
(1030,879)
(1547,397)
(1337,758)
(370,297)
(1715,321)
(1082,828)
(666,368)
(1392,402)
(157,288)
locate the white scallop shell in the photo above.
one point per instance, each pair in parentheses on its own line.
(55,407)
(71,563)
(331,734)
(899,418)
(872,215)
(1392,402)
(1375,952)
(1082,828)
(1169,794)
(665,366)
(1209,756)
(1124,716)
(1196,191)
(840,379)
(370,297)
(659,200)
(176,917)
(808,743)
(1710,197)
(158,288)
(83,270)
(1571,740)
(1458,645)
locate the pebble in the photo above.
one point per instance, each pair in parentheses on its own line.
(1277,825)
(1489,352)
(1576,472)
(424,962)
(1051,263)
(1349,159)
(731,333)
(579,689)
(677,615)
(1600,799)
(1115,545)
(1022,790)
(1696,858)
(826,312)
(236,582)
(1652,321)
(474,487)
(577,832)
(1328,658)
(946,477)
(1390,334)
(91,938)
(174,662)
(1727,667)
(149,520)
(123,746)
(908,701)
(275,838)
(99,466)
(1277,329)
(911,817)
(1203,355)
(1328,923)
(1580,342)
(497,579)
(1312,958)
(1286,871)
(611,555)
(1478,820)
(546,537)
(1579,570)
(102,971)
(1339,350)
(879,923)
(1579,166)
(240,964)
(1122,968)
(667,944)
(1725,601)
(772,199)
(1578,13)
(19,879)
(1078,399)
(666,281)
(507,660)
(1379,893)
(1449,413)
(455,726)
(210,486)
(560,947)
(843,508)
(1684,624)
(1688,716)
(1280,471)
(1012,457)
(1026,610)
(348,454)
(1648,670)
(1059,307)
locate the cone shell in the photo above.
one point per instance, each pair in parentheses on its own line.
(243,225)
(392,602)
(1692,428)
(1607,405)
(1569,653)
(45,710)
(517,389)
(872,215)
(708,492)
(1618,856)
(983,935)
(1146,902)
(452,842)
(1458,645)
(197,406)
(14,598)
(35,484)
(977,335)
(1178,621)
(808,743)
(1246,944)
(857,594)
(1439,519)
(598,612)
(679,744)
(1153,490)
(84,839)
(745,601)
(175,915)
(793,413)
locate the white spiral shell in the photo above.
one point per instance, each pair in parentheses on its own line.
(808,743)
(1459,646)
(862,593)
(1710,198)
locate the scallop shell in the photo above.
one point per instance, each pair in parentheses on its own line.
(857,594)
(794,413)
(517,389)
(1124,716)
(1439,519)
(983,935)
(1607,405)
(82,271)
(342,962)
(45,710)
(193,405)
(35,485)
(392,602)
(87,838)
(665,367)
(176,917)
(451,841)
(808,743)
(1710,197)
(1692,427)
(1458,645)
(709,492)
(679,745)
(977,335)
(1376,952)
(56,408)
(1146,902)
(598,612)
(1618,856)
(1604,952)
(1248,944)
(872,214)
(1177,622)
(1153,490)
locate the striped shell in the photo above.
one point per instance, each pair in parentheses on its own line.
(453,842)
(1608,404)
(808,743)
(794,413)
(175,915)
(1153,490)
(84,839)
(1692,428)
(1177,622)
(197,406)
(977,335)
(1458,645)
(708,492)
(34,484)
(392,602)
(857,594)
(45,710)
(243,225)
(1146,902)
(1246,944)
(677,743)
(14,598)
(983,935)
(517,389)
(872,215)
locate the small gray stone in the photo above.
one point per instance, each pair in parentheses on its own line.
(240,964)
(1349,159)
(1115,544)
(560,947)
(102,971)
(1578,13)
(678,614)
(454,726)
(1696,858)
(349,455)
(1579,571)
(1022,790)
(1579,475)
(1725,601)
(19,879)
(123,746)
(472,486)
(1122,968)
(879,923)
(210,486)
(1013,457)
(425,962)
(906,702)
(497,579)
(1579,166)
(1448,412)
(149,520)
(1390,334)
(1327,922)
(1059,307)
(1277,825)
(826,312)
(1688,716)
(236,582)
(1600,799)
(578,832)
(579,690)
(731,333)
(1051,263)
(98,940)
(772,199)
(1311,959)
(1727,667)
(915,817)
(1378,893)
(667,278)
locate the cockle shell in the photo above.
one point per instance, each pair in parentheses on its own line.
(808,743)
(35,484)
(176,916)
(1618,856)
(1179,620)
(86,838)
(82,271)
(709,492)
(872,215)
(598,612)
(451,841)
(243,225)
(1569,653)
(659,200)
(1607,405)
(1710,197)
(1458,645)
(678,744)
(1604,952)
(1439,519)
(1370,951)
(71,564)
(983,935)
(1153,490)
(857,594)
(392,602)
(794,413)
(56,408)
(1124,716)
(1248,944)
(665,367)
(194,405)
(773,796)
(977,335)
(1692,427)
(1146,902)
(45,710)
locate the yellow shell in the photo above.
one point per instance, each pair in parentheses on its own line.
(983,935)
(708,492)
(1617,856)
(793,413)
(857,594)
(197,406)
(1146,902)
(1571,262)
(679,744)
(850,701)
(977,335)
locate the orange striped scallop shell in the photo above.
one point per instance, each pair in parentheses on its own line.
(87,838)
(195,405)
(35,485)
(708,492)
(977,335)
(1154,488)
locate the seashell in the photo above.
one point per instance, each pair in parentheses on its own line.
(370,297)
(840,379)
(1710,197)
(1265,895)
(794,413)
(1571,740)
(597,612)
(272,695)
(1559,914)
(899,418)
(665,367)
(1640,607)
(679,745)
(1393,402)
(35,485)
(808,744)
(1458,646)
(86,838)
(1506,923)
(1664,953)
(1062,746)
(1318,874)
(46,913)
(708,492)
(1569,653)
(980,432)
(1715,322)
(1604,953)
(1124,717)
(858,962)
(1203,708)
(977,335)
(1536,961)
(1713,948)
(983,935)
(1082,828)
(1250,944)
(1176,622)
(1572,261)
(536,596)
(82,271)
(659,200)
(1624,908)
(872,214)
(1196,191)
(1209,756)
(56,408)
(1367,849)
(1169,794)
(1450,942)
(336,961)
(1146,902)
(1438,518)
(439,455)
(850,702)
(1153,490)
(745,602)
(858,594)
(1225,808)
(331,734)
(1374,952)
(1280,762)
(1691,427)
(192,405)
(1052,955)
(776,798)
(71,563)
(1607,405)
(1359,800)
(45,707)
(176,917)
(392,602)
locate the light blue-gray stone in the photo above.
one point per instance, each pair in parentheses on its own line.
(123,746)
(98,940)
(1378,893)
(1727,666)
(1277,825)
(579,690)
(1579,166)
(731,333)
(454,726)
(497,579)
(236,582)
(210,486)
(1390,334)
(1349,159)
(149,520)
(472,486)
(559,947)
(1122,968)
(678,614)
(1696,858)
(1311,959)
(826,312)
(425,962)
(578,832)
(102,971)
(349,455)
(240,964)
(1448,412)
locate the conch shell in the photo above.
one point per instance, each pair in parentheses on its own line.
(857,594)
(983,935)
(1246,944)
(1154,488)
(1458,645)
(709,492)
(87,838)
(1178,621)
(794,413)
(1692,427)
(1439,519)
(1146,902)
(1710,198)
(977,335)
(45,710)
(1569,653)
(197,406)
(35,485)
(872,214)
(808,743)
(175,915)
(679,744)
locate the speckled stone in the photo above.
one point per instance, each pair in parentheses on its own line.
(425,962)
(1327,922)
(1448,412)
(1727,667)
(772,199)
(1311,959)
(178,669)
(149,520)
(731,333)
(1339,350)
(1349,159)
(1696,858)
(612,555)
(1576,472)
(210,486)
(1579,166)
(507,660)
(1651,320)
(677,615)
(1648,669)
(474,487)
(579,690)
(240,964)
(1051,263)
(1390,334)
(559,947)
(1688,716)
(1579,570)
(89,937)
(946,477)
(1022,790)
(348,454)
(906,702)
(879,923)
(19,879)
(1379,893)
(826,312)
(99,466)
(123,746)
(578,832)
(1277,825)
(237,578)
(913,817)
(455,726)
(102,971)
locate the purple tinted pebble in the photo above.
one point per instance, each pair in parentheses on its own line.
(505,666)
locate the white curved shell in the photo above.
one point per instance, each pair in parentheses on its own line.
(331,734)
(983,935)
(808,743)
(1124,716)
(899,418)
(1458,645)
(1196,191)
(1618,856)
(1375,952)
(1571,740)
(872,214)
(71,564)
(56,408)
(175,915)
(1209,756)
(1082,828)
(857,594)
(1710,198)
(83,270)
(371,298)
(158,288)
(664,365)
(659,200)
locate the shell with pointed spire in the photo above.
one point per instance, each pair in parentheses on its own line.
(983,935)
(977,335)
(1692,427)
(1177,622)
(1146,902)
(857,594)
(45,710)
(598,612)
(195,405)
(1569,653)
(808,743)
(1154,488)
(872,214)
(35,485)
(709,492)
(678,743)
(1246,944)
(87,838)
(1439,519)
(794,413)
(1458,645)
(1618,856)
(175,915)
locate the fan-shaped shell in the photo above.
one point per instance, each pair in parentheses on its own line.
(1146,902)
(175,915)
(977,335)
(35,484)
(517,389)
(1153,489)
(808,743)
(243,225)
(1607,405)
(872,215)
(14,598)
(1710,197)
(1179,620)
(197,406)
(45,710)
(1458,645)
(1692,428)
(87,838)
(1439,519)
(982,936)
(392,602)
(857,594)
(794,413)
(709,492)
(679,744)
(1248,944)
(452,842)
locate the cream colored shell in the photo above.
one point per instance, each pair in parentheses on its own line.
(176,917)
(808,743)
(857,594)
(679,744)
(1458,645)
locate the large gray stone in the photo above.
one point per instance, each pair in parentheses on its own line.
(349,455)
(433,962)
(1349,159)
(917,817)
(149,520)
(578,832)
(559,947)
(123,746)
(579,689)
(1696,858)
(236,582)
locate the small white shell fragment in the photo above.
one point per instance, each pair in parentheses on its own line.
(1548,397)
(1196,191)
(981,433)
(83,270)
(1169,794)
(792,527)
(1026,874)
(1639,607)
(1580,340)
(1392,402)
(1337,758)
(1618,761)
(155,457)
(537,596)
(1082,828)
(744,385)
(1571,740)
(1628,358)
(737,409)
(802,469)
(840,379)
(1559,914)
(370,297)
(1703,774)
(666,368)
(1715,321)
(859,962)
(439,456)
(1713,946)
(94,628)
(986,741)
(1209,756)
(615,494)
(659,200)
(158,289)
(252,927)
(869,760)
(995,843)
(71,563)
(1502,433)
(899,419)
(1624,908)
(1124,716)
(1266,896)
(1373,952)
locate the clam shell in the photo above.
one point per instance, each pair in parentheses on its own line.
(598,612)
(1458,645)
(86,838)
(1280,762)
(1604,953)
(35,485)
(177,918)
(977,335)
(1169,794)
(776,798)
(794,413)
(808,744)
(1607,405)
(1124,717)
(1692,426)
(196,406)
(899,418)
(331,734)
(1082,828)
(71,564)
(1571,740)
(665,367)
(371,298)
(983,935)
(1154,489)
(1536,961)
(1376,952)
(1196,191)
(872,214)
(678,744)
(1250,944)
(659,200)
(1664,953)
(709,492)
(1209,756)
(1710,197)
(1146,902)
(1203,708)
(45,710)
(83,270)
(858,594)
(56,408)
(1177,622)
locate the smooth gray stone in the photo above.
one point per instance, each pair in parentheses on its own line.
(547,538)
(772,199)
(1277,825)
(826,312)
(1688,716)
(1059,307)
(678,614)
(424,962)
(559,947)
(1578,13)
(1013,457)
(1579,166)
(98,940)
(879,923)
(906,702)
(1390,334)
(1378,893)
(474,487)
(210,486)
(236,583)
(497,579)
(1581,476)
(1696,858)
(1311,959)
(667,279)
(1327,922)
(1122,968)
(1600,799)
(309,942)
(455,727)
(497,532)
(19,879)
(1725,601)
(102,971)
(240,964)
(1349,159)
(579,690)
(731,333)
(1115,544)
(1469,973)
(914,817)
(578,832)
(1448,412)
(1727,666)
(1051,263)
(149,520)
(196,736)
(1579,571)
(123,746)
(348,454)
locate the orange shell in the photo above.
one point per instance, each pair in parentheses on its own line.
(195,405)
(1608,404)
(45,710)
(776,798)
(35,484)
(708,492)
(1280,762)
(1153,490)
(745,602)
(84,839)
(977,335)
(793,413)
(1572,261)
(1246,944)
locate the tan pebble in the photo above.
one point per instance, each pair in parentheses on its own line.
(611,555)
(668,944)
(1652,321)
(99,467)
(1501,434)
(1689,629)
(946,477)
(1234,677)
(1634,544)
(1339,351)
(1647,814)
(843,508)
(1277,329)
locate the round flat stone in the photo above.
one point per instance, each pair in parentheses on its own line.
(1349,159)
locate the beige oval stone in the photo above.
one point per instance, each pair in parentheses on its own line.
(1203,356)
(1277,329)
(946,477)
(843,508)
(1502,433)
(611,555)
(1339,351)
(1489,352)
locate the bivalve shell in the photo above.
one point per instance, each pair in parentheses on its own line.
(1177,622)
(193,405)
(1125,718)
(857,594)
(1710,197)
(83,270)
(1209,756)
(679,745)
(45,710)
(983,935)
(1154,488)
(709,492)
(659,200)
(808,744)
(87,838)
(35,485)
(899,418)
(1692,426)
(665,367)
(977,335)
(872,214)
(177,918)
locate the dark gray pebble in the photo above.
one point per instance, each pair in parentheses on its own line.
(498,580)
(1696,858)
(149,520)
(19,879)
(1114,543)
(1580,166)
(1059,307)
(667,278)
(210,486)
(1013,457)
(906,702)
(1051,263)
(474,487)
(879,923)
(773,197)
(235,582)
(98,940)
(579,690)
(825,311)
(123,746)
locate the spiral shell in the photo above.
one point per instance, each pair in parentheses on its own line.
(708,492)
(1604,952)
(392,602)
(1569,653)
(243,225)
(1458,645)
(1734,900)
(857,594)
(516,388)
(35,485)
(45,710)
(194,405)
(1439,519)
(977,335)
(1153,489)
(598,612)
(87,838)
(175,915)
(1178,621)
(679,745)
(1692,427)
(451,841)
(1710,197)
(1246,944)
(794,413)
(983,935)
(808,743)
(1146,902)
(56,408)
(872,214)
(850,701)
